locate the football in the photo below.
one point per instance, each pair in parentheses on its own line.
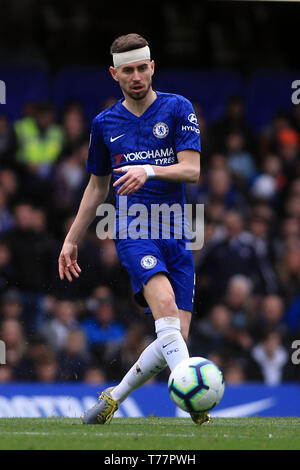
(196,384)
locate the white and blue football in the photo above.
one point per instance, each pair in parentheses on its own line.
(196,384)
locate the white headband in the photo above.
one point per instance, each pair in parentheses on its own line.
(122,58)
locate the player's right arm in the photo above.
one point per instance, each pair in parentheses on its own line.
(94,194)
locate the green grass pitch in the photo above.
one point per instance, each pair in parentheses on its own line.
(150,434)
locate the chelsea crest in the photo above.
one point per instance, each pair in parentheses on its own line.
(160,130)
(148,262)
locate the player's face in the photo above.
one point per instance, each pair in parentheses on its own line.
(134,79)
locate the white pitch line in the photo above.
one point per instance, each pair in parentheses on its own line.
(109,434)
(26,433)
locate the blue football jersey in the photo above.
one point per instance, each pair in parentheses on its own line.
(119,138)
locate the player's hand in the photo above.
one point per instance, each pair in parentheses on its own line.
(131,181)
(67,261)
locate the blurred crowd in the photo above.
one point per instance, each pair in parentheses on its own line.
(247,297)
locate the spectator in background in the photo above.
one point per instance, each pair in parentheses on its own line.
(125,307)
(73,126)
(73,358)
(240,162)
(270,182)
(242,304)
(102,328)
(70,177)
(232,255)
(239,300)
(219,187)
(94,375)
(212,332)
(272,309)
(259,230)
(11,305)
(234,120)
(36,347)
(64,320)
(270,317)
(271,356)
(261,208)
(24,127)
(46,368)
(40,141)
(272,165)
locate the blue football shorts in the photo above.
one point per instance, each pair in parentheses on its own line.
(144,258)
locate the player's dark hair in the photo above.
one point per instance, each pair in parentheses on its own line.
(128,42)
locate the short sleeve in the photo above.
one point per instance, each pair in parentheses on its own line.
(187,132)
(98,161)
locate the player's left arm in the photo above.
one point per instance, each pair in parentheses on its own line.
(187,170)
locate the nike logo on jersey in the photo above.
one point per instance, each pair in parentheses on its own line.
(112,139)
(165,345)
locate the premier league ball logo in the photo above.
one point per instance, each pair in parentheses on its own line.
(160,130)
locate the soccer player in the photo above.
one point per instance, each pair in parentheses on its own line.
(149,141)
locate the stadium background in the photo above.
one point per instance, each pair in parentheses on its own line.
(231,62)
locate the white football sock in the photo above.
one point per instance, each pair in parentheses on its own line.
(150,363)
(170,340)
